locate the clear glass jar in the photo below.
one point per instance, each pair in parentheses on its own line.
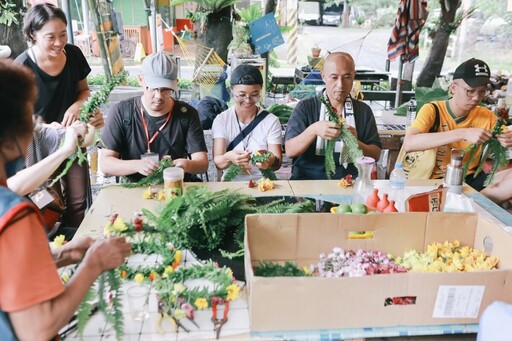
(363,186)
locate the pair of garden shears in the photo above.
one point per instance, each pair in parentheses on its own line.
(219,322)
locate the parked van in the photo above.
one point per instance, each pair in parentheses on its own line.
(332,15)
(309,12)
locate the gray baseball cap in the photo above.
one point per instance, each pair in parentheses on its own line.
(160,71)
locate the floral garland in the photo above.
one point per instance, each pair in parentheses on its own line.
(178,301)
(259,156)
(354,152)
(499,153)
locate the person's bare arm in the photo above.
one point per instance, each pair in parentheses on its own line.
(223,159)
(277,153)
(416,140)
(197,164)
(71,115)
(111,164)
(43,321)
(297,145)
(30,178)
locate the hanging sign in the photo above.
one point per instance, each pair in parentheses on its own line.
(265,34)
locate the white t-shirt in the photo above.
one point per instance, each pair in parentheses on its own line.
(267,132)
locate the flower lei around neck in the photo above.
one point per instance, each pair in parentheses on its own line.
(258,156)
(176,300)
(350,141)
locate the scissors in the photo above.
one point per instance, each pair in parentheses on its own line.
(219,322)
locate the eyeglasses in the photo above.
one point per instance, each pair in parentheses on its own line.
(165,92)
(243,98)
(472,92)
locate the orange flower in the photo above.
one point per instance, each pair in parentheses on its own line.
(123,274)
(152,276)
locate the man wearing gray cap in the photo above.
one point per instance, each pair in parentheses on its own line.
(141,130)
(462,122)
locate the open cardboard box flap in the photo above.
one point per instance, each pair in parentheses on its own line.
(307,303)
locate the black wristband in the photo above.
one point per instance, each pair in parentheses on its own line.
(276,163)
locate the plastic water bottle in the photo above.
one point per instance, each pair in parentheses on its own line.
(397,180)
(411,112)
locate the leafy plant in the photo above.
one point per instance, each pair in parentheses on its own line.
(8,13)
(425,95)
(269,269)
(185,84)
(204,219)
(101,79)
(207,5)
(250,13)
(282,111)
(494,147)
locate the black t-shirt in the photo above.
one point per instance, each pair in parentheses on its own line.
(310,166)
(124,132)
(57,93)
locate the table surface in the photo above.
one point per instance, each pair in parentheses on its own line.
(116,199)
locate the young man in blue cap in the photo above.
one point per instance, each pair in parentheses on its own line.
(154,123)
(462,122)
(246,128)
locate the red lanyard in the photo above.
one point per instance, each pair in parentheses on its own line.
(150,140)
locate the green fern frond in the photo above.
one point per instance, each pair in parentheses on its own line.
(84,311)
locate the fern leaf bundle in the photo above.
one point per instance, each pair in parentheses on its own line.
(258,157)
(155,178)
(350,141)
(498,152)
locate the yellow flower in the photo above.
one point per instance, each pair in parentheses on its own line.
(201,303)
(160,196)
(139,278)
(119,225)
(168,270)
(58,241)
(65,277)
(178,289)
(306,270)
(233,291)
(179,314)
(148,193)
(177,256)
(229,272)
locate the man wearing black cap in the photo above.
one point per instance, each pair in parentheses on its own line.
(140,131)
(246,128)
(309,127)
(462,122)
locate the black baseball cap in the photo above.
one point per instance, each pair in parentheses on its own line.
(246,75)
(474,72)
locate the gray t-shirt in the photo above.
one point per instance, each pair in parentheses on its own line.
(310,166)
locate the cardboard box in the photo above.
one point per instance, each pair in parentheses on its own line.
(313,303)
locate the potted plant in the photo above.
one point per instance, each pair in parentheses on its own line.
(315,51)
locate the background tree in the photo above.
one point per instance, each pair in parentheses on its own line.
(215,23)
(11,26)
(449,20)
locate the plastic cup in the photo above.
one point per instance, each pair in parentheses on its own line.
(173,181)
(152,156)
(138,299)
